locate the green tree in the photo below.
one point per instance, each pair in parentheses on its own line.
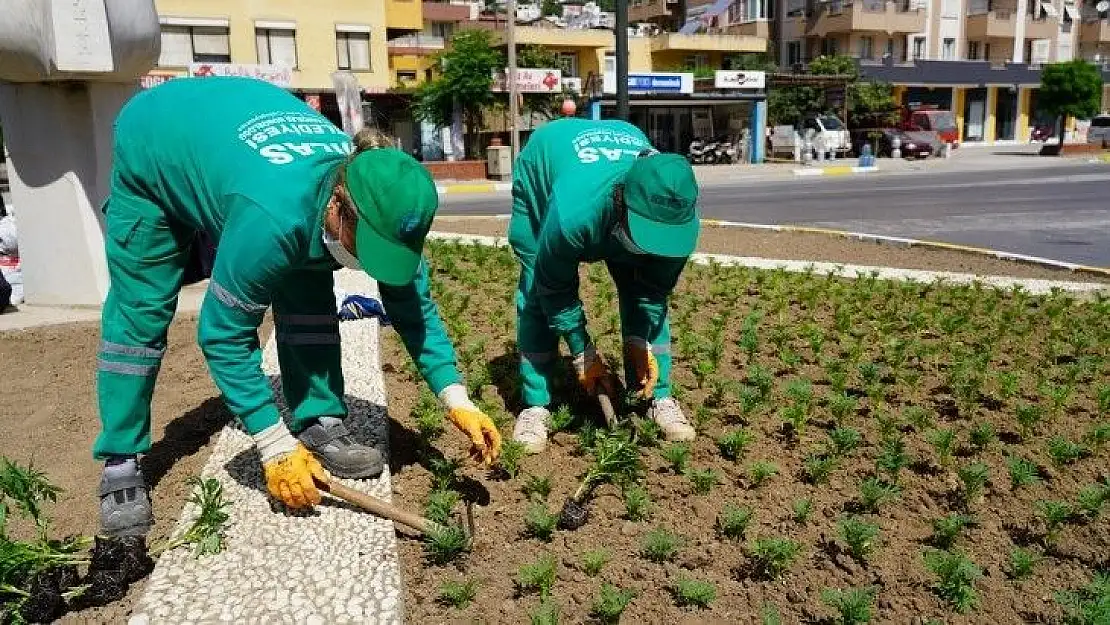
(466,77)
(1072,89)
(552,7)
(871,105)
(836,65)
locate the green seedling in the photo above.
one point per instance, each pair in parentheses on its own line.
(1090,500)
(512,452)
(702,481)
(439,505)
(678,456)
(537,487)
(611,603)
(660,545)
(648,432)
(947,529)
(853,606)
(1098,435)
(859,535)
(546,613)
(1063,451)
(761,471)
(956,576)
(616,460)
(444,544)
(801,509)
(974,479)
(458,594)
(1029,417)
(794,419)
(919,418)
(801,393)
(751,398)
(817,469)
(982,435)
(892,458)
(593,561)
(769,615)
(1054,514)
(561,420)
(943,441)
(1022,472)
(733,444)
(762,379)
(206,534)
(429,418)
(539,522)
(537,577)
(771,557)
(1007,384)
(844,440)
(733,521)
(1021,563)
(587,437)
(874,493)
(637,503)
(443,472)
(694,593)
(1089,605)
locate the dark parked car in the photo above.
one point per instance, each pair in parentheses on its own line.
(914,144)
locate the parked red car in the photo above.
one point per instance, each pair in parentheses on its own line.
(935,120)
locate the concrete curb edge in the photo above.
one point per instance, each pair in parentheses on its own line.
(473,187)
(835,170)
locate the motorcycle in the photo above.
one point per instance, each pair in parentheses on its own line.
(696,152)
(1042,132)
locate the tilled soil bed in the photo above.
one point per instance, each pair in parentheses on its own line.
(932,378)
(48,417)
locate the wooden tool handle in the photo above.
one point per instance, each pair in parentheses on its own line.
(379,507)
(607,410)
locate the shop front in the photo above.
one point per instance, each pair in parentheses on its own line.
(675,110)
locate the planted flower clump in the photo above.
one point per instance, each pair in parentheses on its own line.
(867,451)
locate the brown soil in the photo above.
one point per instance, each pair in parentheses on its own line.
(822,248)
(48,416)
(1027,341)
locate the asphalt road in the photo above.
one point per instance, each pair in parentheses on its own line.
(1061,213)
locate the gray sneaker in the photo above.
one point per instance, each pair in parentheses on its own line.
(340,453)
(125,508)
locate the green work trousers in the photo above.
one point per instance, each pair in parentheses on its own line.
(146,254)
(538,343)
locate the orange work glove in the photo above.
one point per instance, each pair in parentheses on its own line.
(592,372)
(485,440)
(637,352)
(291,471)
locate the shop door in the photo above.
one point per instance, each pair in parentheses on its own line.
(975,114)
(1005,115)
(661,129)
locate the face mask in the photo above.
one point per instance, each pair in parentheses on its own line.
(340,253)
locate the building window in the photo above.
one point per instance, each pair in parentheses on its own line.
(793,53)
(568,62)
(986,51)
(696,61)
(353,50)
(406,76)
(829,47)
(441,29)
(182,45)
(276,46)
(918,48)
(889,50)
(866,47)
(973,50)
(948,52)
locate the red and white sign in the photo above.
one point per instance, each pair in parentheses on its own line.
(153,79)
(531,81)
(313,101)
(273,74)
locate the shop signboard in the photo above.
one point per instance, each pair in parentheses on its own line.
(274,74)
(653,82)
(732,79)
(531,81)
(155,78)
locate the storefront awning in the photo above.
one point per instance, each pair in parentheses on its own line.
(701,99)
(1049,10)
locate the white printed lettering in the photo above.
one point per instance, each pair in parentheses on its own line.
(276,154)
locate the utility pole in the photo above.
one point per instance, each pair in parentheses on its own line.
(621,32)
(511,77)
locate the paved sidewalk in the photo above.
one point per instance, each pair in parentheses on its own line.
(27,316)
(336,566)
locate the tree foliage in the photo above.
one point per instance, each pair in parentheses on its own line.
(1071,89)
(466,77)
(870,104)
(551,7)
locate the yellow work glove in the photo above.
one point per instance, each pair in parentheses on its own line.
(485,440)
(637,352)
(291,471)
(592,372)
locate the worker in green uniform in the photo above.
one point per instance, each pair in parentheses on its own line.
(587,191)
(287,200)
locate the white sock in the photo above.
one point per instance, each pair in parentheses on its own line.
(330,421)
(114,469)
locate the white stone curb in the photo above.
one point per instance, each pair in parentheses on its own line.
(1031,285)
(336,566)
(835,170)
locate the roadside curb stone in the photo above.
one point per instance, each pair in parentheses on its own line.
(337,565)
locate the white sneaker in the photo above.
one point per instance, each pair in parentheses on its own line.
(531,429)
(668,414)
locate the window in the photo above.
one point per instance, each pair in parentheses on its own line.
(918,48)
(696,61)
(949,50)
(568,62)
(973,50)
(866,47)
(441,29)
(986,51)
(794,52)
(182,45)
(352,50)
(889,52)
(276,46)
(829,47)
(406,76)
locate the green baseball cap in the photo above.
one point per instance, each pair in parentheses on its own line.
(396,200)
(662,198)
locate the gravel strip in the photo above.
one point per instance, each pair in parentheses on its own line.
(335,566)
(844,270)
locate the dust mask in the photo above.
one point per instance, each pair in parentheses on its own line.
(339,252)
